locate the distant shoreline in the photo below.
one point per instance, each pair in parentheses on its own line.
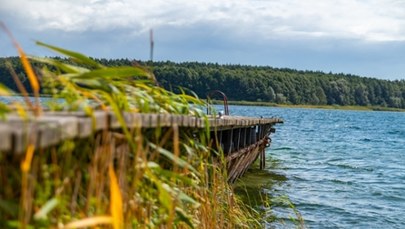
(328,107)
(304,106)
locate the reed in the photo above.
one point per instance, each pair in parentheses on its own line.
(126,178)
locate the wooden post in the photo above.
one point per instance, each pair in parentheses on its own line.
(230,140)
(262,159)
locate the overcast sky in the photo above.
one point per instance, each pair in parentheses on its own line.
(361,37)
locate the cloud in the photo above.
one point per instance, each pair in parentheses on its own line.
(368,20)
(364,37)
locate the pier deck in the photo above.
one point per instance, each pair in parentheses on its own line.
(242,139)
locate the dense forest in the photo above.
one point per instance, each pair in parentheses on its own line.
(260,83)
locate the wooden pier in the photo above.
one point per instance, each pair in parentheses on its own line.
(242,139)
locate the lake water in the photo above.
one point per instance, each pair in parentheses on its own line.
(341,169)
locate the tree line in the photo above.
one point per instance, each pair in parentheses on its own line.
(259,83)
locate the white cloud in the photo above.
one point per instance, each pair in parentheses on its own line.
(368,20)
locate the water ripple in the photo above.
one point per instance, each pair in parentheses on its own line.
(343,169)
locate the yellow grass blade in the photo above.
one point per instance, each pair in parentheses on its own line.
(28,69)
(19,84)
(115,200)
(89,222)
(21,111)
(26,164)
(33,79)
(4,91)
(24,60)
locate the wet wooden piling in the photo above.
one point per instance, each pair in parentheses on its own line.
(243,141)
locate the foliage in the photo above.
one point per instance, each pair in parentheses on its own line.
(146,178)
(267,84)
(282,86)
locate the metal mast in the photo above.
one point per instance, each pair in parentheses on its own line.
(151,44)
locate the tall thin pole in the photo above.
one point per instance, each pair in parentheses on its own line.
(151,44)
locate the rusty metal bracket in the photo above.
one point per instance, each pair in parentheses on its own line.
(225,99)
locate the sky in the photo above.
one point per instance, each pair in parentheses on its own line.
(359,37)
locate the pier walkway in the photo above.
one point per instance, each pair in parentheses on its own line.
(242,139)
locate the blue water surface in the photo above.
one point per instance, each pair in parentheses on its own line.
(343,169)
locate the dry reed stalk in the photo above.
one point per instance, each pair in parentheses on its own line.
(116,205)
(20,86)
(33,79)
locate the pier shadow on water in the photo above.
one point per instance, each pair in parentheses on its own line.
(260,190)
(255,189)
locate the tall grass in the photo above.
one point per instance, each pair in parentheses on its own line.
(126,178)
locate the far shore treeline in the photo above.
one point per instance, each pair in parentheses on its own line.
(259,83)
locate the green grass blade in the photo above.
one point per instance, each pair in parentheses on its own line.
(67,68)
(48,206)
(184,217)
(115,72)
(180,162)
(78,57)
(93,84)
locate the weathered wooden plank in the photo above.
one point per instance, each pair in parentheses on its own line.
(22,133)
(52,133)
(87,124)
(212,122)
(186,121)
(114,120)
(164,120)
(132,120)
(146,120)
(53,127)
(154,120)
(85,127)
(42,131)
(200,123)
(227,122)
(84,123)
(192,122)
(5,137)
(69,126)
(98,120)
(177,120)
(251,157)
